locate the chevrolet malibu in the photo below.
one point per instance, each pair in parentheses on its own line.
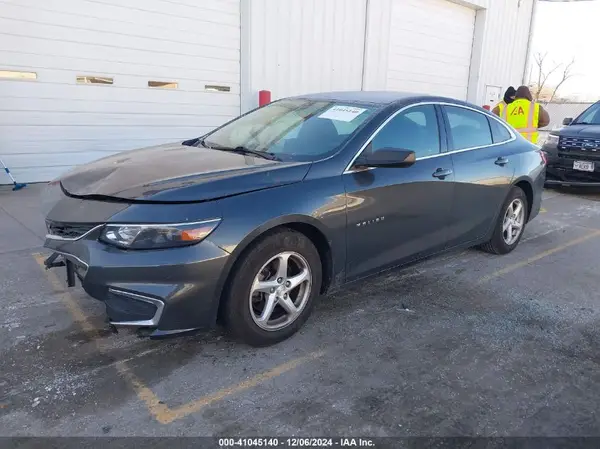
(249,224)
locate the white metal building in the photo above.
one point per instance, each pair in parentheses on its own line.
(81,79)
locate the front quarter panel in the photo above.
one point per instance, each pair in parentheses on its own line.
(320,203)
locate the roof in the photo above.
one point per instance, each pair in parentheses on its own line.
(376,97)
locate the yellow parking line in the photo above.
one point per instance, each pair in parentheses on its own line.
(162,412)
(144,393)
(537,257)
(157,408)
(543,210)
(67,300)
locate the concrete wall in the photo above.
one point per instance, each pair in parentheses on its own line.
(559,111)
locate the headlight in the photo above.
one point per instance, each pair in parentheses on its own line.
(155,236)
(552,140)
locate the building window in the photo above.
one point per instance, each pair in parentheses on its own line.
(94,80)
(15,75)
(163,84)
(216,88)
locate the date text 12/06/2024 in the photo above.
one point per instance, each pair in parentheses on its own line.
(295,442)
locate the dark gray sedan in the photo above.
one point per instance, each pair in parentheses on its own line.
(250,223)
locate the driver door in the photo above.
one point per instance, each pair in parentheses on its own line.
(399,214)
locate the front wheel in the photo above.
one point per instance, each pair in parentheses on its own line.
(273,288)
(510,225)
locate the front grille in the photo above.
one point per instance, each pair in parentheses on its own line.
(68,230)
(579,143)
(580,148)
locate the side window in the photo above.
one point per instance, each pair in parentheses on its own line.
(499,132)
(468,129)
(415,129)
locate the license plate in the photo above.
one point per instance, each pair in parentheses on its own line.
(583,166)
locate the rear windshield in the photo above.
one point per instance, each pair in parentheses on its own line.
(295,129)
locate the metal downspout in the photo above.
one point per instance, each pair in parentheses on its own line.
(365,45)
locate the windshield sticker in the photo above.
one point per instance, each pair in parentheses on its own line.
(342,113)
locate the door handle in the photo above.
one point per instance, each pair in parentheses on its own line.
(501,161)
(441,173)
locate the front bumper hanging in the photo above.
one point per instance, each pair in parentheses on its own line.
(51,262)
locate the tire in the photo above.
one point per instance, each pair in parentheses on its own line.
(262,261)
(498,244)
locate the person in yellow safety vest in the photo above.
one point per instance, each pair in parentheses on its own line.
(525,115)
(509,97)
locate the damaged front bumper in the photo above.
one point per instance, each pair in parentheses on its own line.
(167,291)
(131,313)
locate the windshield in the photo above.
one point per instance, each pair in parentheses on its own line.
(296,129)
(589,117)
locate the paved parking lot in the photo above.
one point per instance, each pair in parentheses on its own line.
(464,344)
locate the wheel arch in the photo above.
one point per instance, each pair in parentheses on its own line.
(527,187)
(524,184)
(306,225)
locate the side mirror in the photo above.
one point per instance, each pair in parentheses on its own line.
(387,157)
(567,121)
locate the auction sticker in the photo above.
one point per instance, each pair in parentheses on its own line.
(342,113)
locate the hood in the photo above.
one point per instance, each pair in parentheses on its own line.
(178,173)
(582,131)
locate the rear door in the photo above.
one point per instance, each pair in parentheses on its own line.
(397,214)
(483,167)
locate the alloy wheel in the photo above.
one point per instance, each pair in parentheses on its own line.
(514,220)
(280,291)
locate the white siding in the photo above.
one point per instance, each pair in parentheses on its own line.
(498,55)
(303,46)
(377,48)
(49,124)
(430,47)
(501,54)
(286,46)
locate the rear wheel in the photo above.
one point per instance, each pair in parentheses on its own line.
(273,288)
(510,225)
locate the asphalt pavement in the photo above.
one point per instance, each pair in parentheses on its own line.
(463,344)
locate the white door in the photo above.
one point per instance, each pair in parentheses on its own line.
(306,46)
(430,47)
(110,75)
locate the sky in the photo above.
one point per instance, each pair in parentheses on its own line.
(566,31)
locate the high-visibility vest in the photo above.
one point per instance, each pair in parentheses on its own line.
(500,107)
(524,116)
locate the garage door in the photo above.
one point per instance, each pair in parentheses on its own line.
(82,79)
(430,47)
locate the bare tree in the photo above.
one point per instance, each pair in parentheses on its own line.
(567,73)
(544,74)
